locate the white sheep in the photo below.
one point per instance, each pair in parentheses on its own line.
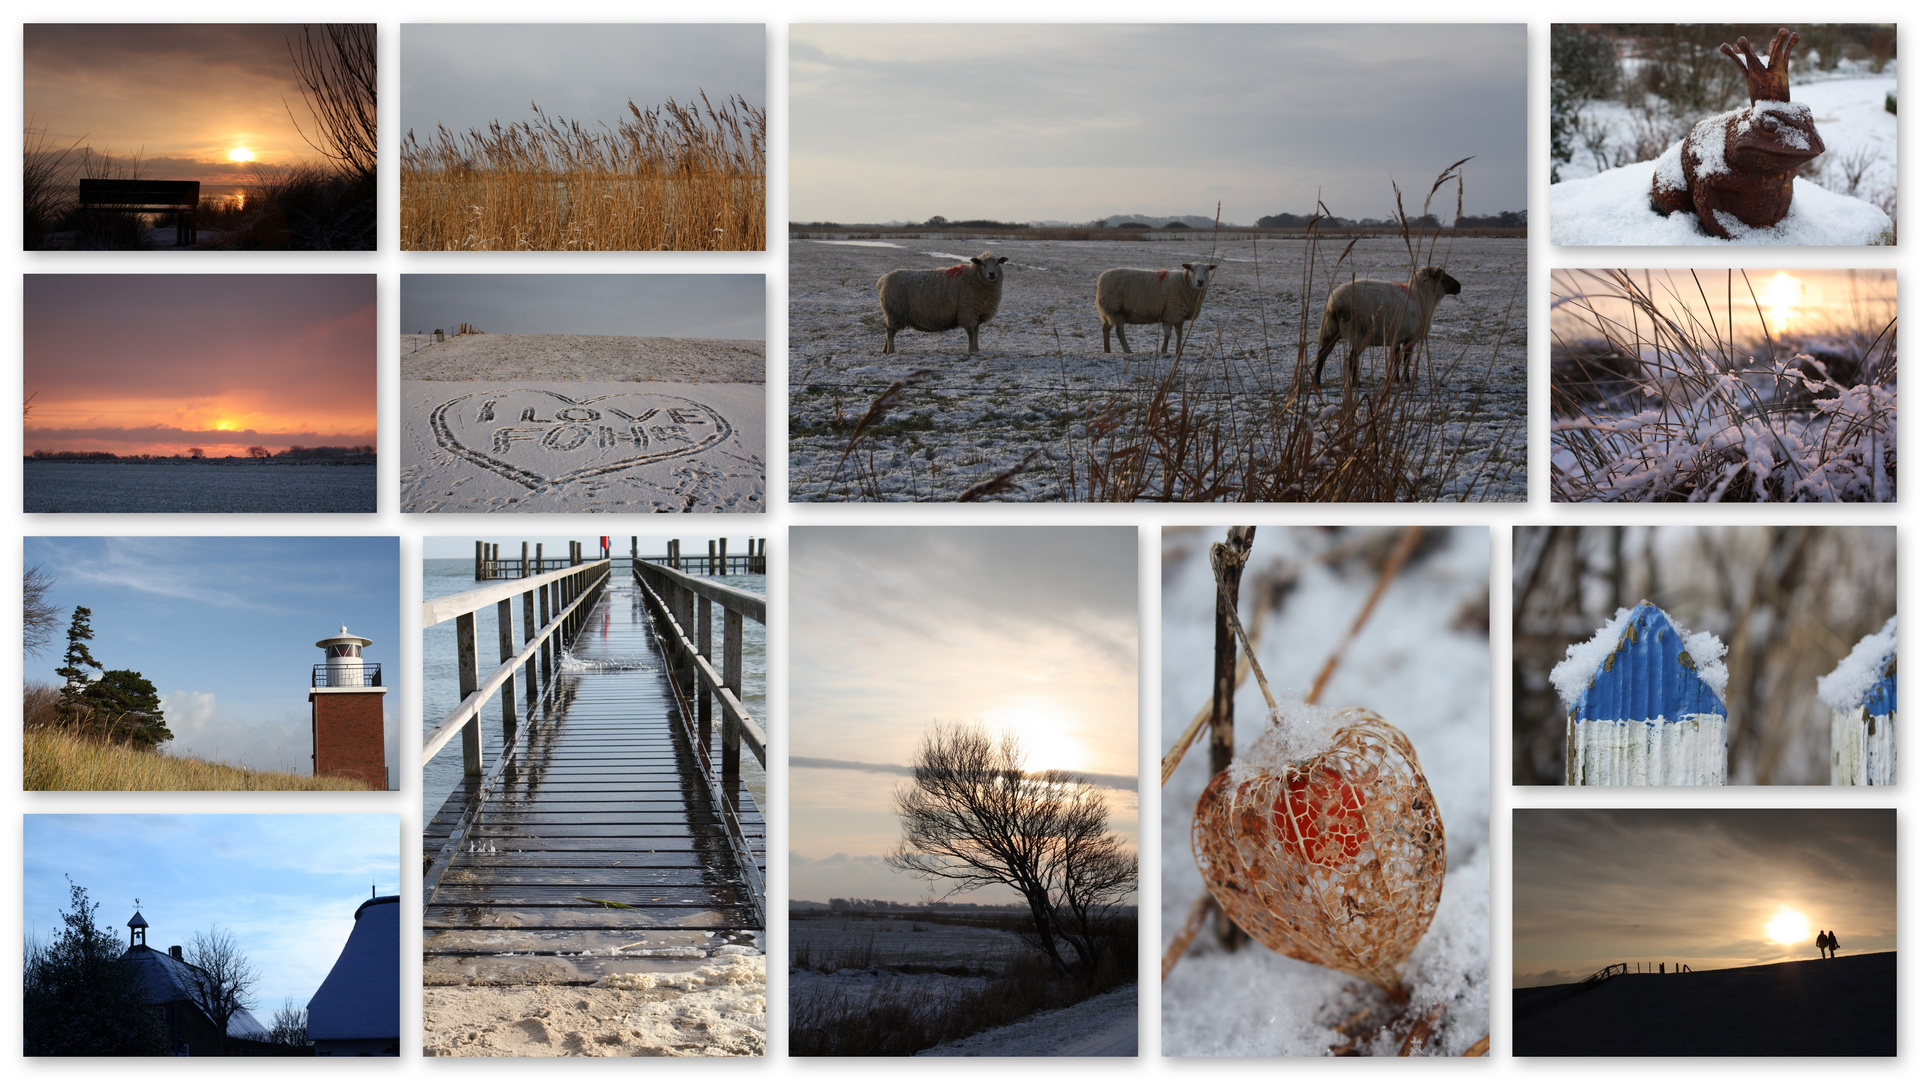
(1368,312)
(935,301)
(1139,297)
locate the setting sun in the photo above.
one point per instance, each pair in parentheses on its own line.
(240,153)
(1782,298)
(1787,927)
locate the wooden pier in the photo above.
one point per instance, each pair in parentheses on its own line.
(606,839)
(490,565)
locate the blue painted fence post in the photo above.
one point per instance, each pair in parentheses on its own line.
(1646,717)
(1863,723)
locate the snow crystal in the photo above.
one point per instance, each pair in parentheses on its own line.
(1295,732)
(1846,686)
(1615,207)
(1571,676)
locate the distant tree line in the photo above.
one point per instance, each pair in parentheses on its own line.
(195,453)
(1505,219)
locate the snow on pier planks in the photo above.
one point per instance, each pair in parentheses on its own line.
(601,850)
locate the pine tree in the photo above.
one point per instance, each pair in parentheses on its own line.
(78,659)
(80,999)
(130,708)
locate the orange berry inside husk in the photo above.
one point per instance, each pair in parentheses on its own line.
(1319,816)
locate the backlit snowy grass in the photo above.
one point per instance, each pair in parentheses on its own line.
(1041,374)
(1422,664)
(901,942)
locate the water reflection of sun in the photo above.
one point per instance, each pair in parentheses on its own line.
(1787,927)
(1781,298)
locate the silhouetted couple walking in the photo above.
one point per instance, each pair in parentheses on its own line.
(1829,945)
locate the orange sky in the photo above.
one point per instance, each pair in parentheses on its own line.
(154,364)
(182,96)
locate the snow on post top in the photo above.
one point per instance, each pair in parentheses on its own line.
(1863,672)
(1295,732)
(1643,665)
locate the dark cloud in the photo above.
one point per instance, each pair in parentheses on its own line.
(731,306)
(470,75)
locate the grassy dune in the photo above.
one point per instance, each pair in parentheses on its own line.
(55,760)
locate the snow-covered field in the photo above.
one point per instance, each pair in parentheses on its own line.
(897,942)
(1041,374)
(1422,663)
(1840,204)
(1105,1026)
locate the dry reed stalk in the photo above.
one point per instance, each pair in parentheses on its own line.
(56,760)
(675,177)
(998,485)
(888,399)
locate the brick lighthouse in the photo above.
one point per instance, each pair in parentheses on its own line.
(349,728)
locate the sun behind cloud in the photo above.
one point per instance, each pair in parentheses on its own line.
(240,153)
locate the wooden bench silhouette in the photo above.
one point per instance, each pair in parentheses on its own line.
(181,198)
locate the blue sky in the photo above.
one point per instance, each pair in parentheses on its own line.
(284,885)
(225,627)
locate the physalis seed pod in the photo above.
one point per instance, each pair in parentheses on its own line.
(1338,861)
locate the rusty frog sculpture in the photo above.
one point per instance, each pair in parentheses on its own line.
(1740,164)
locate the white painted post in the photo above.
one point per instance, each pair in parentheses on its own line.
(1861,693)
(1645,716)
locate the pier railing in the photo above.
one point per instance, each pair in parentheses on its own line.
(562,599)
(490,565)
(682,607)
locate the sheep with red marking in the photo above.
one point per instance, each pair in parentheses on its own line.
(935,301)
(1143,297)
(1367,312)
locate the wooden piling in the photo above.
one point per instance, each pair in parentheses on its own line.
(1646,717)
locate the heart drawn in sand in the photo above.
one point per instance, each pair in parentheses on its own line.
(1338,860)
(542,439)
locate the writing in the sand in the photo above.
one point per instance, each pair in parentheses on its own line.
(578,427)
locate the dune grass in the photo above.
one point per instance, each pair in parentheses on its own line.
(54,760)
(675,177)
(59,756)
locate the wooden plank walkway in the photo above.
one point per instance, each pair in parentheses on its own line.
(602,851)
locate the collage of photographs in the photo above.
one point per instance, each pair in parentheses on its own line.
(897,750)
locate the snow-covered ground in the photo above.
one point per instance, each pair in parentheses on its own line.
(940,959)
(1840,205)
(1041,373)
(1422,663)
(1105,1026)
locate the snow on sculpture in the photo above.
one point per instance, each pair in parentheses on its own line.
(1739,165)
(1327,850)
(1646,703)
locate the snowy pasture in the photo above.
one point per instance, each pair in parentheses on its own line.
(1041,378)
(1422,663)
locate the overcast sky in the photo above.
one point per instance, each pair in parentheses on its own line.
(1075,123)
(1598,887)
(284,885)
(183,96)
(155,363)
(224,627)
(468,75)
(731,306)
(1028,630)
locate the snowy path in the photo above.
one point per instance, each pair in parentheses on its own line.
(1106,1026)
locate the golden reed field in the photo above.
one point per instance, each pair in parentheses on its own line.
(671,178)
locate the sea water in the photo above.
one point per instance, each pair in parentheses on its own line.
(440,682)
(66,487)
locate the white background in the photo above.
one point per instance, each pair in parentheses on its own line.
(404,706)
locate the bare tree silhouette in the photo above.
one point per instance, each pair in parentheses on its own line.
(338,74)
(974,816)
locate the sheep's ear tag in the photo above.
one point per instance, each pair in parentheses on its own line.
(1338,861)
